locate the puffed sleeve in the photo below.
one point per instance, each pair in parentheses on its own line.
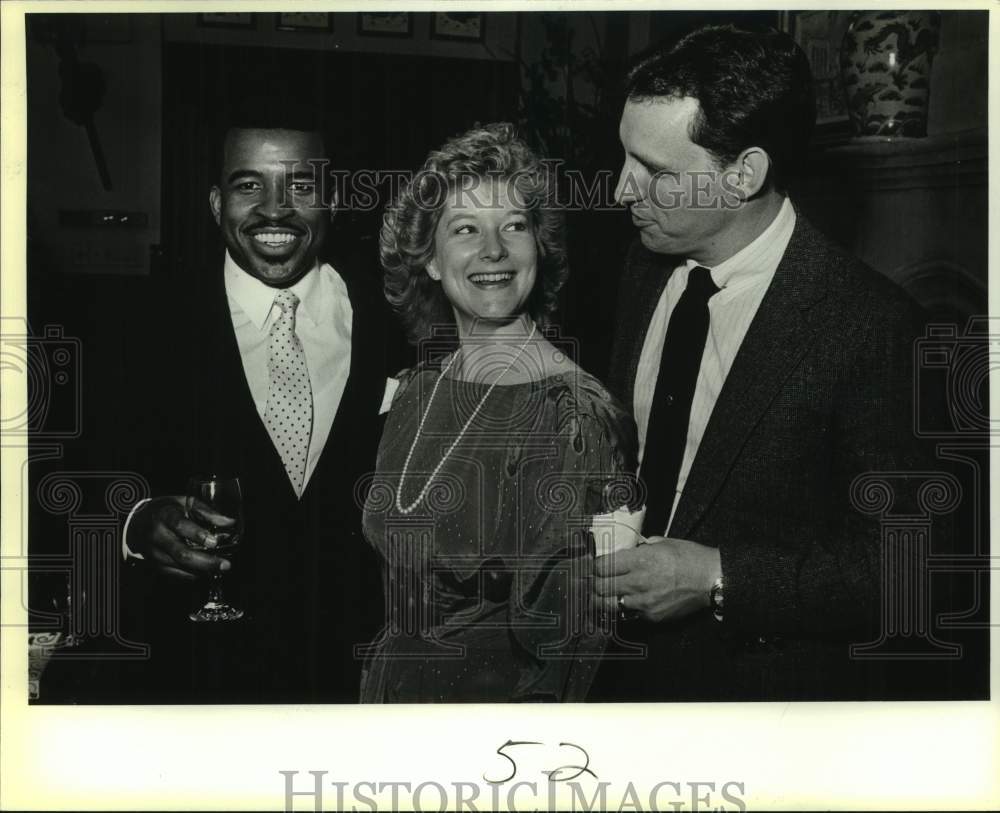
(557,637)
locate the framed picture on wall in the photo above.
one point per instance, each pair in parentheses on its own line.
(304,21)
(385,23)
(819,34)
(226,19)
(458,25)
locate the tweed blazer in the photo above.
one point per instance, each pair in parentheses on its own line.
(820,392)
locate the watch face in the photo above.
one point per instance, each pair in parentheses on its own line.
(715,598)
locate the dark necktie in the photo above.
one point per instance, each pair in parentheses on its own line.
(670,412)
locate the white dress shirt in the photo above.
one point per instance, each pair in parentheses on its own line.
(742,279)
(323,325)
(323,322)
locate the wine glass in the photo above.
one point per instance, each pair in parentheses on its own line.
(207,496)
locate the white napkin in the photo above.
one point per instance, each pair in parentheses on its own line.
(619,530)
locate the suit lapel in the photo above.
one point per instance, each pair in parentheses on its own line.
(231,361)
(240,433)
(779,336)
(365,384)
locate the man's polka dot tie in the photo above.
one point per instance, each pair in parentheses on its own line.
(289,411)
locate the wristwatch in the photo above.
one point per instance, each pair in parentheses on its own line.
(715,599)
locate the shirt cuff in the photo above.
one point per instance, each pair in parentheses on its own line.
(127,552)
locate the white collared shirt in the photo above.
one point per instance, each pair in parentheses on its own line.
(322,323)
(742,279)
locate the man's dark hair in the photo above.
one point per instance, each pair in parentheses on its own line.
(754,88)
(269,113)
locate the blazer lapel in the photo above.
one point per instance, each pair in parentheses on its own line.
(365,384)
(239,429)
(776,341)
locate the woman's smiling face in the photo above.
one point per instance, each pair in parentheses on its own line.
(485,254)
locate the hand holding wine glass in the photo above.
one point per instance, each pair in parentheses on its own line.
(216,504)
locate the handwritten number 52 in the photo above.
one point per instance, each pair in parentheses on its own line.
(555,775)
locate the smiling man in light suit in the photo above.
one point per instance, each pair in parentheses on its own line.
(766,369)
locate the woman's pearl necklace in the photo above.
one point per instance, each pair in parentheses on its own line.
(423,492)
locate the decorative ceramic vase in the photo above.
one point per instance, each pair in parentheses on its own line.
(885,63)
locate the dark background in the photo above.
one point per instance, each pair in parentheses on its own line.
(916,212)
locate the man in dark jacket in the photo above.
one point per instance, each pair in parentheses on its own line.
(272,327)
(768,371)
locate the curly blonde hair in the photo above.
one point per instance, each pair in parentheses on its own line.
(406,240)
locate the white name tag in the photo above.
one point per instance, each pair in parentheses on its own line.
(391,385)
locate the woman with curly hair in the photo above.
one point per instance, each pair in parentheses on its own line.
(498,449)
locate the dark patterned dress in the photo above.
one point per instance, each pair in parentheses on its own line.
(486,578)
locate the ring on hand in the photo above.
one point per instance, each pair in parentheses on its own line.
(624,614)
